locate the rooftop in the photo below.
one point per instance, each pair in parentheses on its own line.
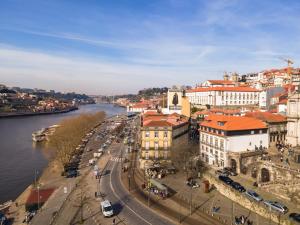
(231,123)
(232,89)
(266,116)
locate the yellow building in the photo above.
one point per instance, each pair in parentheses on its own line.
(158,133)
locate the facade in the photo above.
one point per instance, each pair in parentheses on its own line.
(221,136)
(178,102)
(159,132)
(223,96)
(276,125)
(218,83)
(293,119)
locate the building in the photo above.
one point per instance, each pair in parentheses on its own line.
(293,119)
(276,125)
(221,136)
(159,132)
(177,102)
(223,96)
(218,83)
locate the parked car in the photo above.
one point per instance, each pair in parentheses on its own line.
(192,183)
(230,171)
(225,179)
(276,206)
(71,173)
(295,217)
(106,208)
(253,195)
(221,172)
(237,186)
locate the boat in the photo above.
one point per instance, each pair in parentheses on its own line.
(44,133)
(39,135)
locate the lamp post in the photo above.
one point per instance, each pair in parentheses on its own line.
(38,194)
(129,181)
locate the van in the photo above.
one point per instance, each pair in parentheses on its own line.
(106,208)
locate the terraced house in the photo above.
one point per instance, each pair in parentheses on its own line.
(159,132)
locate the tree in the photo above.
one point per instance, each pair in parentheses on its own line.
(69,135)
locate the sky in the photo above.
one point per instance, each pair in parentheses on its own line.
(122,46)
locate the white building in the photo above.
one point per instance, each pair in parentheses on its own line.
(218,83)
(223,96)
(221,135)
(293,118)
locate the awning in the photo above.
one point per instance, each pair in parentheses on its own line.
(158,185)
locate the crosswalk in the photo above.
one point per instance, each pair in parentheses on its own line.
(116,159)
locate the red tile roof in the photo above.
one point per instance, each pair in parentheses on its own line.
(282,102)
(266,116)
(163,120)
(232,89)
(231,123)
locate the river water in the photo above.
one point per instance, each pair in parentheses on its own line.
(20,158)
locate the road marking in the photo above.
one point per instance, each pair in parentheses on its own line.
(116,159)
(122,200)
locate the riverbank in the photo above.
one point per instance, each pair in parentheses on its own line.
(50,179)
(16,114)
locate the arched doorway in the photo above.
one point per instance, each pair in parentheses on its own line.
(265,175)
(254,172)
(233,164)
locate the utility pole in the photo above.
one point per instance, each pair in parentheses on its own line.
(148,186)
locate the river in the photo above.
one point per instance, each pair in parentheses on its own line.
(20,158)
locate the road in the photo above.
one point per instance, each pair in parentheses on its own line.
(125,205)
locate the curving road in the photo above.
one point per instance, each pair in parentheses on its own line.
(125,205)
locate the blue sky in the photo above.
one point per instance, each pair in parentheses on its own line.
(121,46)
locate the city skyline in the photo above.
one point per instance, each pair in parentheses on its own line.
(120,47)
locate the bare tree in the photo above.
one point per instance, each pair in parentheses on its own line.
(70,134)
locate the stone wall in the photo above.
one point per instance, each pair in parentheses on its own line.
(241,199)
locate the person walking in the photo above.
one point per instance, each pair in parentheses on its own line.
(114,221)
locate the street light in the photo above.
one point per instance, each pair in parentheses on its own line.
(129,180)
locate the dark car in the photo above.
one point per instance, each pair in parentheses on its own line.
(71,173)
(230,171)
(295,217)
(225,179)
(237,186)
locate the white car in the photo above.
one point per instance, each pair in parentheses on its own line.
(253,195)
(106,208)
(276,206)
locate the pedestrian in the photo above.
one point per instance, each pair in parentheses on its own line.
(114,221)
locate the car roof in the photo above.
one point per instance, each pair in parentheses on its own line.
(105,203)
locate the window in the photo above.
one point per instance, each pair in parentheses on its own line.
(165,154)
(156,155)
(147,155)
(211,140)
(222,144)
(147,145)
(260,131)
(252,131)
(165,145)
(156,145)
(156,134)
(147,134)
(216,142)
(165,133)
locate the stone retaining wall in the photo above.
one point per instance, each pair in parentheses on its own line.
(241,199)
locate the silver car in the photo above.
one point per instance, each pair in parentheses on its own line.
(276,206)
(253,195)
